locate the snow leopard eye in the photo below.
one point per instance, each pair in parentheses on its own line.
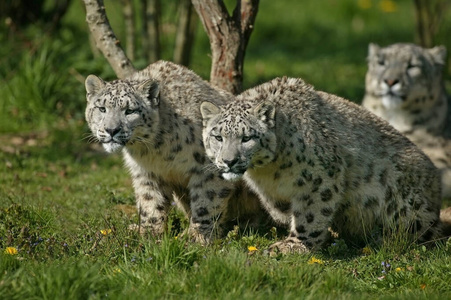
(218,138)
(102,109)
(130,111)
(246,139)
(412,65)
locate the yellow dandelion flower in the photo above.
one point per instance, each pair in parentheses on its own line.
(117,271)
(252,248)
(367,250)
(11,250)
(388,6)
(364,4)
(398,269)
(315,260)
(105,231)
(176,237)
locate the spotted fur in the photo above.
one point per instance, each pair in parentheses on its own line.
(404,86)
(153,118)
(319,162)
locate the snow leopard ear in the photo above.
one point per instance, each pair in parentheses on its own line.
(373,50)
(438,54)
(266,112)
(93,84)
(208,110)
(150,89)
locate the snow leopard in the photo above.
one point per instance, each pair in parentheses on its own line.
(153,118)
(322,164)
(404,85)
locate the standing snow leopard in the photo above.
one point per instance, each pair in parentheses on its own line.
(320,162)
(404,86)
(153,118)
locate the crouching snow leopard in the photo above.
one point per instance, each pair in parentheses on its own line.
(404,86)
(153,118)
(319,162)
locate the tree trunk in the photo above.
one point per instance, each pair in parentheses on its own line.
(92,44)
(129,17)
(186,30)
(151,10)
(429,15)
(229,36)
(105,38)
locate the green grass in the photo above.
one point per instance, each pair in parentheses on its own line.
(58,193)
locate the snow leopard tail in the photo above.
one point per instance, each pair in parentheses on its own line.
(445,218)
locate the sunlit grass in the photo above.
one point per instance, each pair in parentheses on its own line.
(77,244)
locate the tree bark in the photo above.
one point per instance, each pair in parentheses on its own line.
(106,40)
(186,30)
(151,10)
(429,15)
(229,36)
(129,17)
(92,44)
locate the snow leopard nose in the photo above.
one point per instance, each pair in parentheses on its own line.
(230,163)
(113,131)
(391,82)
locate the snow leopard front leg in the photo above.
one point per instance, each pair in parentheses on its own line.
(153,197)
(152,201)
(311,217)
(209,198)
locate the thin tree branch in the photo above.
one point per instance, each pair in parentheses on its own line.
(246,16)
(106,40)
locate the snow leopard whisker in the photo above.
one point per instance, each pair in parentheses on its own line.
(210,167)
(148,143)
(90,138)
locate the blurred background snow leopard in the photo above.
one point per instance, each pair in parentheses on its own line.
(404,85)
